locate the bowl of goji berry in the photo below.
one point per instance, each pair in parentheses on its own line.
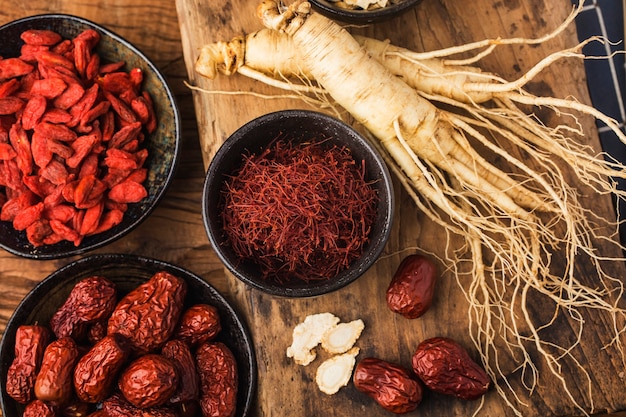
(89,136)
(297,203)
(125,311)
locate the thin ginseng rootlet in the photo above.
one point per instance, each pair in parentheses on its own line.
(428,114)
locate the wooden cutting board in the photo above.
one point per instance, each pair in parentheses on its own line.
(287,389)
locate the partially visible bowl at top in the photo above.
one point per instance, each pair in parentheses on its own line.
(162,144)
(339,10)
(300,205)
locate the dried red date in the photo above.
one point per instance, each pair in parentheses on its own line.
(54,380)
(96,372)
(198,324)
(390,385)
(410,292)
(188,385)
(217,369)
(30,343)
(149,381)
(38,408)
(92,299)
(148,315)
(117,406)
(445,367)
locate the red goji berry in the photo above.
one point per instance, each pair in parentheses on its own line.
(49,87)
(72,95)
(14,67)
(10,105)
(128,192)
(38,232)
(91,220)
(8,87)
(110,219)
(56,115)
(7,151)
(28,216)
(40,37)
(33,111)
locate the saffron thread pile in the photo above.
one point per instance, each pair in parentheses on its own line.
(299,210)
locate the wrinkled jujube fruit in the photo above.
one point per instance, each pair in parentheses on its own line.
(217,369)
(410,292)
(90,300)
(198,324)
(390,385)
(38,408)
(188,384)
(445,367)
(149,381)
(148,315)
(117,406)
(54,380)
(96,372)
(30,343)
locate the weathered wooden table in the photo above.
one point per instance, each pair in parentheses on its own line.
(171,32)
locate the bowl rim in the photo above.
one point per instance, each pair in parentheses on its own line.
(34,253)
(350,274)
(43,286)
(327,8)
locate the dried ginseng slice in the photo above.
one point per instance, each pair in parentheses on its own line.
(308,334)
(342,337)
(336,372)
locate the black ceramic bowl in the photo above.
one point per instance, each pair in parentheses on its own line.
(127,272)
(333,11)
(305,125)
(163,145)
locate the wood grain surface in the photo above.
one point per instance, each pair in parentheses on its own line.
(171,33)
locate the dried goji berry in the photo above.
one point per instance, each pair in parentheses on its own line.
(81,147)
(27,216)
(116,158)
(40,37)
(121,109)
(22,145)
(39,147)
(10,105)
(56,115)
(33,111)
(128,192)
(49,87)
(72,95)
(51,59)
(28,53)
(9,87)
(14,67)
(7,151)
(91,220)
(55,172)
(57,132)
(65,232)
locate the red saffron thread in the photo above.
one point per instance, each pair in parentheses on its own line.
(299,210)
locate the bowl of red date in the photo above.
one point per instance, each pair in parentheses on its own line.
(89,136)
(128,335)
(298,203)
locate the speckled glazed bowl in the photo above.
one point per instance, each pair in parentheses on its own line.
(305,125)
(127,272)
(163,145)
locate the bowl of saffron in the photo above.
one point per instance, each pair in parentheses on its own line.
(297,203)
